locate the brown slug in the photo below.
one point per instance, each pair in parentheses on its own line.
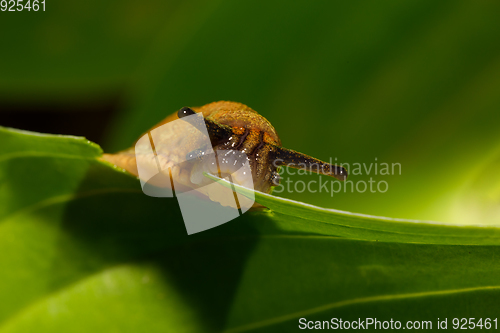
(231,127)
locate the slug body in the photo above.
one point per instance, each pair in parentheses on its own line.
(237,132)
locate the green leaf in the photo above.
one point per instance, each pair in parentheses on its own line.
(83,249)
(329,222)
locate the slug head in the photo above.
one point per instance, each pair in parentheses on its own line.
(234,129)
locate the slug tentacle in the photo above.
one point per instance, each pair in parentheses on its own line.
(287,157)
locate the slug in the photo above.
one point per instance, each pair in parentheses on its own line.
(233,128)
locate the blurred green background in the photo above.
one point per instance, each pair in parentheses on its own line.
(414,82)
(410,82)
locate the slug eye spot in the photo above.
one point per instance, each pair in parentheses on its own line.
(185,111)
